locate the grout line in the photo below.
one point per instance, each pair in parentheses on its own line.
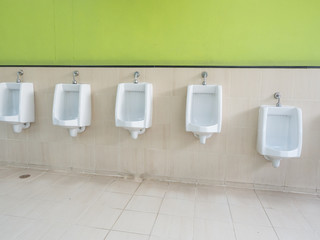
(303,216)
(140,234)
(132,195)
(194,211)
(158,211)
(166,66)
(267,215)
(234,230)
(93,202)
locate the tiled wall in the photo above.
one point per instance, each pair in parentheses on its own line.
(166,150)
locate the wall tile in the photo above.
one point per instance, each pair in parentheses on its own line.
(161,79)
(156,137)
(306,84)
(243,112)
(162,112)
(209,165)
(3,150)
(184,77)
(182,164)
(245,83)
(106,158)
(166,150)
(239,168)
(3,130)
(16,150)
(277,80)
(156,162)
(241,141)
(298,169)
(266,174)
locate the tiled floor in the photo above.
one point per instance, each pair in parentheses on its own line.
(51,205)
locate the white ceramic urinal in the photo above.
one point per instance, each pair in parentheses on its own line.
(72,107)
(17,104)
(279,133)
(204,110)
(134,107)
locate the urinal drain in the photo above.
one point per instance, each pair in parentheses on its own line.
(25,176)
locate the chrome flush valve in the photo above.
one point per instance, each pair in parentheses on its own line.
(204,76)
(75,74)
(277,96)
(19,74)
(136,76)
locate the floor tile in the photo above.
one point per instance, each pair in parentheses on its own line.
(177,207)
(67,211)
(249,215)
(213,211)
(115,235)
(99,216)
(43,211)
(89,191)
(152,188)
(288,219)
(46,179)
(211,194)
(308,205)
(84,233)
(135,222)
(313,220)
(14,226)
(113,200)
(55,231)
(58,193)
(243,197)
(35,231)
(22,207)
(276,201)
(34,174)
(123,186)
(7,187)
(207,229)
(296,234)
(173,227)
(248,232)
(7,172)
(7,203)
(181,191)
(52,205)
(27,190)
(144,204)
(72,181)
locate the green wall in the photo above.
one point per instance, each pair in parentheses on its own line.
(160,32)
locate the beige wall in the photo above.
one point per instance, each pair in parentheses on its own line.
(166,150)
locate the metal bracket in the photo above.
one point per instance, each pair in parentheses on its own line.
(136,76)
(19,74)
(277,96)
(75,74)
(204,76)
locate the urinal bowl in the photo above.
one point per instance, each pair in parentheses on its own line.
(17,105)
(133,110)
(279,133)
(204,111)
(72,107)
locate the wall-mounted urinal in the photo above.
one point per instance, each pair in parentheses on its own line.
(279,132)
(17,103)
(204,109)
(72,106)
(134,106)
